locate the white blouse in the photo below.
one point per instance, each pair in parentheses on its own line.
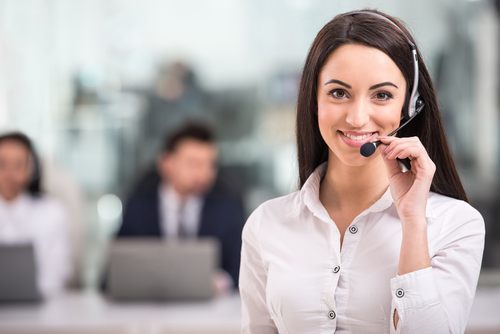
(42,222)
(295,278)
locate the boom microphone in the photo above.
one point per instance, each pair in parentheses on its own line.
(367,149)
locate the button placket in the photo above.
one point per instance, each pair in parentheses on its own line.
(350,243)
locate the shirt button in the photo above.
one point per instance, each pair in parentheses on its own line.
(353,229)
(400,293)
(336,269)
(331,315)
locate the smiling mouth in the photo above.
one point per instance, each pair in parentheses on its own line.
(358,137)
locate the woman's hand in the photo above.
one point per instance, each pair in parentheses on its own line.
(409,190)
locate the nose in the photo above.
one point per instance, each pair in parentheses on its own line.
(358,114)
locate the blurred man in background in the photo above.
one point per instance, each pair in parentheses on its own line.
(29,216)
(185,203)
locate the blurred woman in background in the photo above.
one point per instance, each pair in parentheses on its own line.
(29,216)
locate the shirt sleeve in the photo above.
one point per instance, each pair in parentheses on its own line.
(438,299)
(253,279)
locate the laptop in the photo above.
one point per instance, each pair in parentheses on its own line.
(18,278)
(155,269)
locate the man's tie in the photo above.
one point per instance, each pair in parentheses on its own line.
(182,231)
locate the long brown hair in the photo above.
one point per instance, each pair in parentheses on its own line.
(365,29)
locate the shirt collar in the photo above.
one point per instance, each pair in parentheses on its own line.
(169,195)
(19,201)
(310,197)
(310,193)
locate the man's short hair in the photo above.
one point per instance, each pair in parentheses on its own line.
(191,130)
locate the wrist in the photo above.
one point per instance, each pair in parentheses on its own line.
(414,226)
(414,221)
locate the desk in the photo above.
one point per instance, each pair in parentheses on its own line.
(90,313)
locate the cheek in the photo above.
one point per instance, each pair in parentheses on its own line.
(389,120)
(23,176)
(328,118)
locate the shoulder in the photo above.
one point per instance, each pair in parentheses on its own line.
(275,211)
(48,205)
(222,198)
(143,197)
(453,214)
(444,206)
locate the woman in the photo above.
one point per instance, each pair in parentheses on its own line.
(363,246)
(28,216)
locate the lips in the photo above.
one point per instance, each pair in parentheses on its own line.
(357,139)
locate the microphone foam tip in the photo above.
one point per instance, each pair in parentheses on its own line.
(367,149)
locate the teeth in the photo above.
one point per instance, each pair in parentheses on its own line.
(358,137)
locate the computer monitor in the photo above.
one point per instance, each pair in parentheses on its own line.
(155,269)
(18,278)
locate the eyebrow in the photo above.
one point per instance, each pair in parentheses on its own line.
(338,82)
(385,83)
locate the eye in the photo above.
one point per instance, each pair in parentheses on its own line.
(383,96)
(338,93)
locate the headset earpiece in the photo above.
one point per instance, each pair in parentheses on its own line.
(419,105)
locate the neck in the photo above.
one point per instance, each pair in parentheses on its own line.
(353,187)
(9,198)
(180,195)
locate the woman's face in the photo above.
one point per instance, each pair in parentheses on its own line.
(361,92)
(15,169)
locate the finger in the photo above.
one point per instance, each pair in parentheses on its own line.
(392,142)
(408,151)
(392,166)
(398,148)
(395,147)
(420,160)
(391,139)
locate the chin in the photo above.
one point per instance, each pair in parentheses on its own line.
(354,159)
(355,163)
(198,191)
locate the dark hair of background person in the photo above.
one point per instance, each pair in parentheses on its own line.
(191,130)
(34,186)
(368,30)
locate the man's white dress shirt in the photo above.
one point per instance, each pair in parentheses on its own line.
(175,211)
(43,223)
(295,278)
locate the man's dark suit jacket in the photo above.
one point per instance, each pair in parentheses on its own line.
(222,217)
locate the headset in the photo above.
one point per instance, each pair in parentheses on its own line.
(415,102)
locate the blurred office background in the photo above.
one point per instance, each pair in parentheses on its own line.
(97,84)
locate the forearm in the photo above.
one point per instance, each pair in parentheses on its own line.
(414,253)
